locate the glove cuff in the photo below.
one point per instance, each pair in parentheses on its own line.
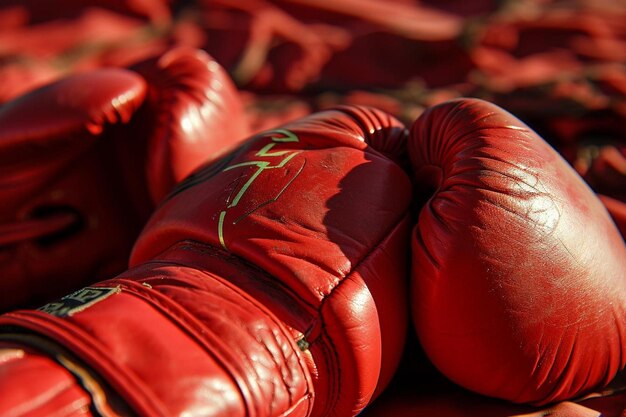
(225,344)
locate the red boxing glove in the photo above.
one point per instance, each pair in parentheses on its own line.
(270,283)
(85,160)
(32,372)
(519,274)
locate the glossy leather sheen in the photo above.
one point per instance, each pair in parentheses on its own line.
(443,399)
(270,283)
(195,116)
(519,275)
(24,372)
(85,160)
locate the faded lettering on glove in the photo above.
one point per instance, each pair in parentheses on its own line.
(78,301)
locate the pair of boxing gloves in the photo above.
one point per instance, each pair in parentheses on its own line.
(273,280)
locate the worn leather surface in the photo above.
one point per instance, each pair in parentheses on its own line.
(270,283)
(519,274)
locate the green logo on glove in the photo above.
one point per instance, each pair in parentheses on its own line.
(261,166)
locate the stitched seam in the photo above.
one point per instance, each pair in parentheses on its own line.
(195,328)
(375,248)
(189,327)
(243,261)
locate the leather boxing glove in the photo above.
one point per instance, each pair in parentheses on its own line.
(519,274)
(84,160)
(269,283)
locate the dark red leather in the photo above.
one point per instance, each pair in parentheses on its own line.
(433,398)
(418,389)
(84,161)
(519,274)
(270,283)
